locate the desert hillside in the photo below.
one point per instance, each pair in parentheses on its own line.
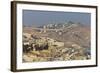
(60,42)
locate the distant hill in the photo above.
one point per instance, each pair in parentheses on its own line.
(73,33)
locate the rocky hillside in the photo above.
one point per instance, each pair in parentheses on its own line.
(71,42)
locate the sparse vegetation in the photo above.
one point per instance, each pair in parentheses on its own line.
(57,43)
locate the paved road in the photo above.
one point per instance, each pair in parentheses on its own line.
(47,29)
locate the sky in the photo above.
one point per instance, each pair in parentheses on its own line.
(38,18)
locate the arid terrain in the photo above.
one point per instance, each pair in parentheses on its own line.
(56,42)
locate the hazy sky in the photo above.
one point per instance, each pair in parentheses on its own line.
(34,17)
